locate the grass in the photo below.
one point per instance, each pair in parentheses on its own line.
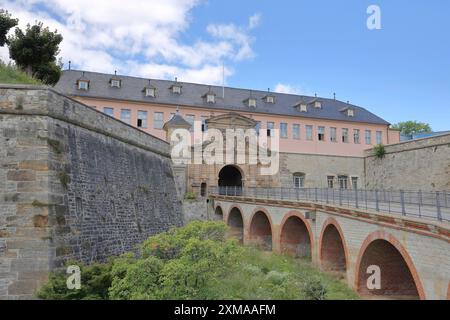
(269,276)
(11,75)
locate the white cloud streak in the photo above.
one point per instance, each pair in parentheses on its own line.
(138,37)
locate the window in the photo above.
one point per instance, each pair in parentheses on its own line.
(83,85)
(318,104)
(115,83)
(343,182)
(321,133)
(299,180)
(270,99)
(190,118)
(330,182)
(150,92)
(379,137)
(356,136)
(204,124)
(303,107)
(203,189)
(258,127)
(309,132)
(283,130)
(158,120)
(176,89)
(333,134)
(350,113)
(355,183)
(368,137)
(210,98)
(109,111)
(125,115)
(345,135)
(142,119)
(252,102)
(296,131)
(270,127)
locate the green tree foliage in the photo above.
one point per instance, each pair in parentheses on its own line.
(412,127)
(35,51)
(6,23)
(199,262)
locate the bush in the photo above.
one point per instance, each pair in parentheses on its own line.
(380,151)
(314,289)
(190,196)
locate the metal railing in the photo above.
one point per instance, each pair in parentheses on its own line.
(419,204)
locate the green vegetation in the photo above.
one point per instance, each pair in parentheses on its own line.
(380,151)
(64,179)
(38,204)
(6,23)
(198,262)
(190,196)
(11,74)
(412,127)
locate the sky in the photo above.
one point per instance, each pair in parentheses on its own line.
(400,72)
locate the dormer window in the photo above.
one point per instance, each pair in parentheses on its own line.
(270,99)
(251,102)
(115,83)
(350,113)
(303,107)
(318,104)
(210,98)
(150,92)
(176,89)
(83,85)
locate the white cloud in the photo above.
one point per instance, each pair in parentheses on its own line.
(287,88)
(138,37)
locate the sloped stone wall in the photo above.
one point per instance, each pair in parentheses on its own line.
(74,184)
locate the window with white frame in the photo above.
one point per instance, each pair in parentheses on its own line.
(270,99)
(190,118)
(321,133)
(296,131)
(125,115)
(109,111)
(330,182)
(270,128)
(379,137)
(333,134)
(299,180)
(356,136)
(303,107)
(350,113)
(150,92)
(368,137)
(115,83)
(345,135)
(252,102)
(83,85)
(158,120)
(318,104)
(309,132)
(142,119)
(283,130)
(354,183)
(176,89)
(258,127)
(343,182)
(210,98)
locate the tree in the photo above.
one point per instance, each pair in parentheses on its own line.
(35,52)
(6,23)
(412,127)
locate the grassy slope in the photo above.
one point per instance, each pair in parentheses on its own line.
(10,74)
(263,273)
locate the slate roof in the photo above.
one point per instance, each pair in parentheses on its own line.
(193,95)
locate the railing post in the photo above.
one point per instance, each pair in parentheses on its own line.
(402,201)
(340,197)
(281,193)
(438,206)
(377,204)
(356,198)
(315,194)
(326,194)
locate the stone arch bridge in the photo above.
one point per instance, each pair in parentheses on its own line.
(413,255)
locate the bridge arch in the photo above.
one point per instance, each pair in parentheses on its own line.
(296,237)
(235,221)
(399,276)
(261,229)
(218,213)
(333,252)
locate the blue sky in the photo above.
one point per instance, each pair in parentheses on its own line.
(401,72)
